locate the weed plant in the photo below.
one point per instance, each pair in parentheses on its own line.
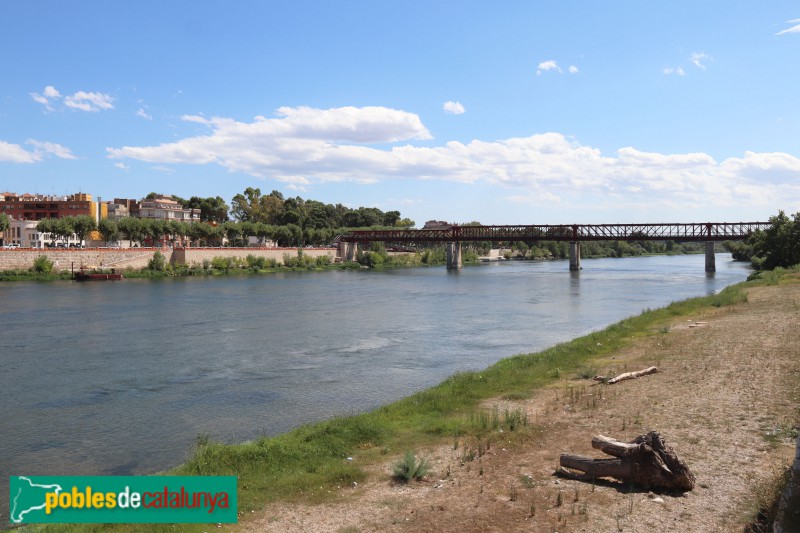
(409,468)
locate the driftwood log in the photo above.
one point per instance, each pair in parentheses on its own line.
(627,375)
(646,461)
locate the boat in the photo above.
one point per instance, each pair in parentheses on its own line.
(96,275)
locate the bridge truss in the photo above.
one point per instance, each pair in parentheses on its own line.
(692,232)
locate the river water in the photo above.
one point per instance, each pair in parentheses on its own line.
(120,377)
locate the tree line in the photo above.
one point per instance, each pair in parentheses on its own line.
(285,221)
(275,210)
(153,230)
(776,247)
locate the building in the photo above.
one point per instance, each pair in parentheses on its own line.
(36,207)
(127,206)
(117,211)
(165,208)
(24,233)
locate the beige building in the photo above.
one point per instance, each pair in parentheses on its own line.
(165,208)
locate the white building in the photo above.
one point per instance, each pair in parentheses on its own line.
(24,233)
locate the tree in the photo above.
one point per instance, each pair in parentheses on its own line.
(778,245)
(108,229)
(248,229)
(405,223)
(282,235)
(5,222)
(232,230)
(263,231)
(157,229)
(296,234)
(63,227)
(46,225)
(245,206)
(132,227)
(390,218)
(177,229)
(212,209)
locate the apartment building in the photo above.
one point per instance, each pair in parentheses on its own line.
(36,206)
(165,208)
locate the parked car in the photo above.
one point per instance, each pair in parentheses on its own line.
(11,245)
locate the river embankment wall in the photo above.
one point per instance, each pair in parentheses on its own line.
(196,256)
(66,259)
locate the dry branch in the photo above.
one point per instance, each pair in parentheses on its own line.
(646,461)
(627,375)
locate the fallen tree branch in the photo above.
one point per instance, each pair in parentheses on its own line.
(646,461)
(627,375)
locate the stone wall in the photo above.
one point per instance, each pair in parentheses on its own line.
(64,259)
(191,256)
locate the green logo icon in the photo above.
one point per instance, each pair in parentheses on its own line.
(122,499)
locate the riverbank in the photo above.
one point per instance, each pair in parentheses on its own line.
(310,465)
(725,397)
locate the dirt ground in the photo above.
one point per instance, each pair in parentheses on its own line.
(725,398)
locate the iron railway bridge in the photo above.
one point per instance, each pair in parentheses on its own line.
(454,235)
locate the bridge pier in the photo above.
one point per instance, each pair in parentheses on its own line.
(348,250)
(574,256)
(453,251)
(711,261)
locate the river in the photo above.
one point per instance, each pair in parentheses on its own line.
(120,377)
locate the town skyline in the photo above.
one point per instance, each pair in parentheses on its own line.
(505,114)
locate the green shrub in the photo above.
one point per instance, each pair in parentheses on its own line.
(42,265)
(157,263)
(255,263)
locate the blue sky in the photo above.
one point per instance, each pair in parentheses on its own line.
(503,112)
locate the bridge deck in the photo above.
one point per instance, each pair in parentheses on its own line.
(699,232)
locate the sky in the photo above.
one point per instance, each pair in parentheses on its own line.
(502,112)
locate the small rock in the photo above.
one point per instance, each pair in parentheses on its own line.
(349,458)
(658,500)
(355,484)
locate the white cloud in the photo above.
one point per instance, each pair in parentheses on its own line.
(51,92)
(573,69)
(89,101)
(144,114)
(49,148)
(698,58)
(305,146)
(454,108)
(793,29)
(81,100)
(676,70)
(122,166)
(544,66)
(15,153)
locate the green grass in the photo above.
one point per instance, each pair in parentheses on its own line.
(31,275)
(311,462)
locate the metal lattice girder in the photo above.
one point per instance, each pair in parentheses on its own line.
(700,232)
